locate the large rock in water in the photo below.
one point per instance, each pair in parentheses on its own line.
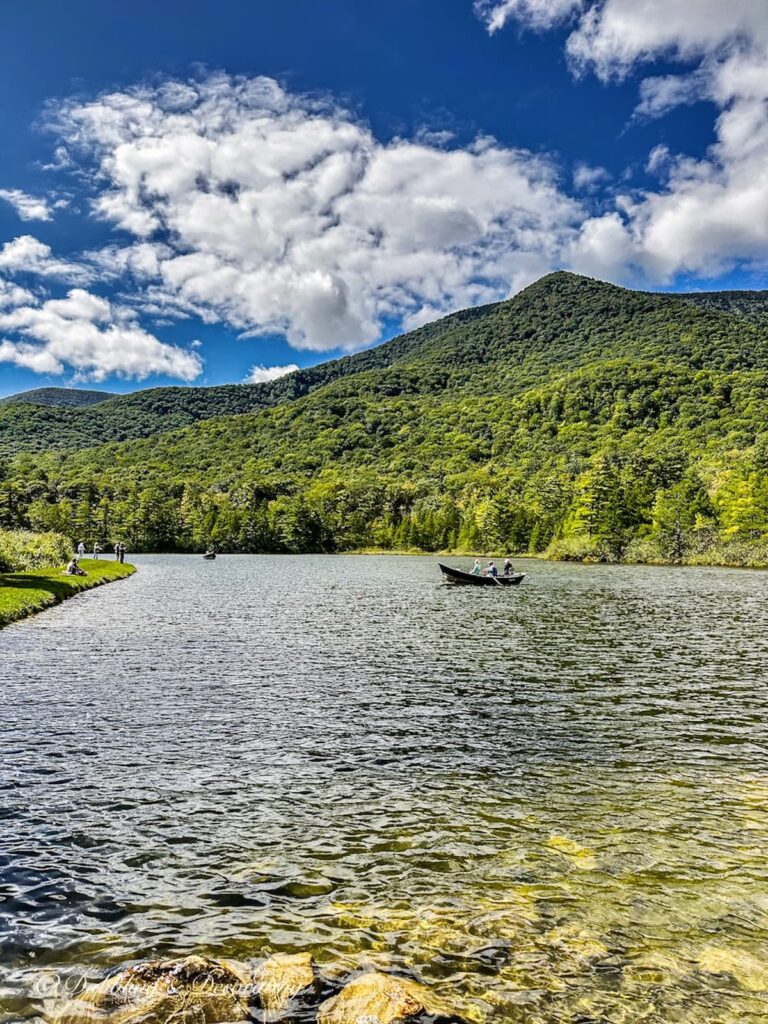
(283,978)
(194,990)
(385,999)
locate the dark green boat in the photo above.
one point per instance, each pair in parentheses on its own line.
(472,580)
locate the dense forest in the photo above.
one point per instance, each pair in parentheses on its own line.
(578,418)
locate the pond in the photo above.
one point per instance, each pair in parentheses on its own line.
(549,802)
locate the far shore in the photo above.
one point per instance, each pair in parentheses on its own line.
(25,593)
(697,562)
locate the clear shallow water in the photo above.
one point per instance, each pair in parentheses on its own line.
(551,803)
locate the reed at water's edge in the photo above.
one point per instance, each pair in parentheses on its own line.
(24,593)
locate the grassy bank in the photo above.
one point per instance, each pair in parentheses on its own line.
(23,593)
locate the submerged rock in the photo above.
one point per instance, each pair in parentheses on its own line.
(385,999)
(749,971)
(192,990)
(283,978)
(580,856)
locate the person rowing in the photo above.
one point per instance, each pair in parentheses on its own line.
(492,570)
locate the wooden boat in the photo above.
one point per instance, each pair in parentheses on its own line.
(209,555)
(470,579)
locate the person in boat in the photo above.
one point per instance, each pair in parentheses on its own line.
(508,569)
(477,569)
(492,570)
(73,569)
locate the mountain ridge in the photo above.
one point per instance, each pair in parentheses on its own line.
(56,396)
(508,345)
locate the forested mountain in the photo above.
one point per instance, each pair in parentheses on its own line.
(577,417)
(559,323)
(69,397)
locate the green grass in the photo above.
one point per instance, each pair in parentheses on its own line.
(24,593)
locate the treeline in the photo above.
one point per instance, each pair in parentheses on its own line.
(625,459)
(611,507)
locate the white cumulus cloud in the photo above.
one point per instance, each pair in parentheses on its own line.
(28,255)
(277,213)
(587,178)
(12,294)
(614,35)
(85,333)
(264,374)
(611,36)
(660,94)
(538,14)
(26,206)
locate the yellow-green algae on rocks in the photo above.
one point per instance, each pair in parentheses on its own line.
(193,990)
(24,593)
(281,978)
(283,989)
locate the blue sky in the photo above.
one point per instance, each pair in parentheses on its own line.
(193,190)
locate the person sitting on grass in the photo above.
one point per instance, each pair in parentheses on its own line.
(73,569)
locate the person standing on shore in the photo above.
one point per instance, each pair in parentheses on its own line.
(117,551)
(122,552)
(96,550)
(80,549)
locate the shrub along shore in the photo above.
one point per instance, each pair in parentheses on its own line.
(24,593)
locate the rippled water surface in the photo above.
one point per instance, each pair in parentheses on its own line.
(550,803)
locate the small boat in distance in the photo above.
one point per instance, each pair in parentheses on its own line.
(209,555)
(472,580)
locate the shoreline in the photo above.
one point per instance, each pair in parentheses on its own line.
(25,593)
(542,557)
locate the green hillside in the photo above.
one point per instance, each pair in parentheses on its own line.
(560,323)
(577,417)
(65,397)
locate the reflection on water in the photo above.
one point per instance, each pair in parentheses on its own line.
(550,803)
